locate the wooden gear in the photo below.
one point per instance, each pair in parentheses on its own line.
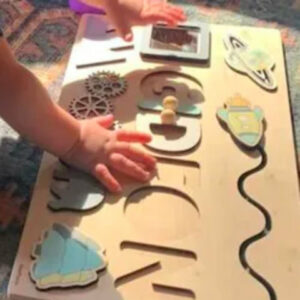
(89,106)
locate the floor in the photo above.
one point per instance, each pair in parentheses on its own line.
(41,33)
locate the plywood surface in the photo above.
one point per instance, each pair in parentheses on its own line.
(187,238)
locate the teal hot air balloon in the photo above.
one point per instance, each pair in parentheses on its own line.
(66,258)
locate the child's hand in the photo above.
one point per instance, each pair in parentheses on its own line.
(125,13)
(99,148)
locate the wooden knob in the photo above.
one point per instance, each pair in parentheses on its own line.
(168,116)
(170,102)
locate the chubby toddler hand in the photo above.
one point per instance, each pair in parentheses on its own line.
(124,14)
(98,150)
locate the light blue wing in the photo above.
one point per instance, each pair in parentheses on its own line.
(153,105)
(258,113)
(222,114)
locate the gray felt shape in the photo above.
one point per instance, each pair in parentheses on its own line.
(74,190)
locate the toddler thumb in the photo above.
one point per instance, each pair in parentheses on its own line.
(126,33)
(106,121)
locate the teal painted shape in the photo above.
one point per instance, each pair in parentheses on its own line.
(222,113)
(93,261)
(185,109)
(74,258)
(86,241)
(151,105)
(80,249)
(66,253)
(62,230)
(92,245)
(81,193)
(250,139)
(37,250)
(258,113)
(189,109)
(52,253)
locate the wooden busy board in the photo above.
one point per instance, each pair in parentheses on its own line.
(180,236)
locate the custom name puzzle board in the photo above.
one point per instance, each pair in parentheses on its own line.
(220,220)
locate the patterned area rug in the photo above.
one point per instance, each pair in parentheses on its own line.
(41,33)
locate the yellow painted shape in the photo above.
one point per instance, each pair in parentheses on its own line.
(257,59)
(50,280)
(243,122)
(71,278)
(86,276)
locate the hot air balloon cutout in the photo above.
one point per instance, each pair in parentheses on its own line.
(66,258)
(245,124)
(252,61)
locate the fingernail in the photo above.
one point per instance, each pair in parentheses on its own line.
(118,190)
(146,176)
(128,37)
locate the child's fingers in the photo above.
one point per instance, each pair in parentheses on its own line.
(160,17)
(102,173)
(121,23)
(128,37)
(128,167)
(106,121)
(135,154)
(125,31)
(178,14)
(159,2)
(165,7)
(133,136)
(174,8)
(175,17)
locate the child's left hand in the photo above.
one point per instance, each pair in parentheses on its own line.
(98,150)
(125,13)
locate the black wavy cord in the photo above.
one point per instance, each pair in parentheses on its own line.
(268,224)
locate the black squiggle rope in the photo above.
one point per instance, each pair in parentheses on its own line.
(265,231)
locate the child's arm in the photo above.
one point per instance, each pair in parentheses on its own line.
(27,107)
(88,145)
